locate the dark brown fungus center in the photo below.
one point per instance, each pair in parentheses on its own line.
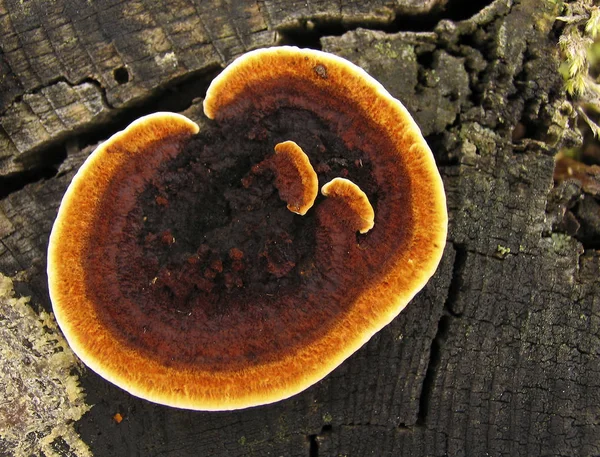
(173,261)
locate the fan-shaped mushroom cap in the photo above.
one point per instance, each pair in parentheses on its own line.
(176,273)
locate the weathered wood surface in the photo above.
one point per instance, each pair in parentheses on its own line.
(69,65)
(499,355)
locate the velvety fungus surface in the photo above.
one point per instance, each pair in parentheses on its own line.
(177,271)
(353,206)
(295,177)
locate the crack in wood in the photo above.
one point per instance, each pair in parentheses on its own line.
(44,162)
(452,311)
(308,31)
(313,449)
(452,305)
(432,367)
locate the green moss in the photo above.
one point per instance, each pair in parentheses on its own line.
(385,49)
(242,440)
(327,418)
(561,243)
(502,251)
(579,51)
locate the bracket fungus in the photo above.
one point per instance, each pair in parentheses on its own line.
(177,272)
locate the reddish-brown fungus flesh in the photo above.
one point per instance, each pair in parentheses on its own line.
(356,210)
(295,177)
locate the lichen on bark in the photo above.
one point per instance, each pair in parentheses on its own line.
(41,396)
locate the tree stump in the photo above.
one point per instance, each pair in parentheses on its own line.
(498,355)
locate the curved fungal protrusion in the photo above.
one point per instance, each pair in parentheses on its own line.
(295,177)
(351,204)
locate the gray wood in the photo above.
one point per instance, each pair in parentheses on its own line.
(498,355)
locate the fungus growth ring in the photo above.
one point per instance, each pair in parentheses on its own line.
(202,269)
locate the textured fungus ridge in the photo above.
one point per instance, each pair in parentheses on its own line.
(177,272)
